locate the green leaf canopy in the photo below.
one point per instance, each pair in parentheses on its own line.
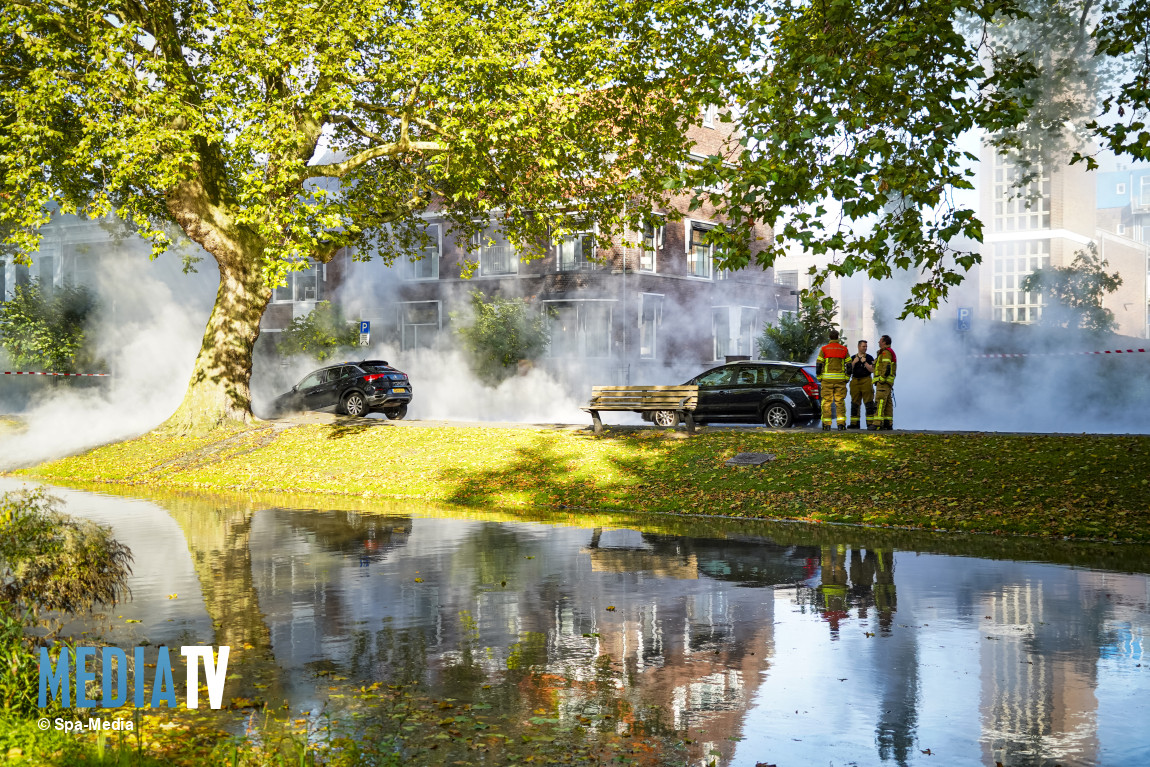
(272,133)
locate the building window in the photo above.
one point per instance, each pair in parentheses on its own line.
(1120,229)
(47,266)
(419,324)
(576,252)
(79,265)
(652,242)
(496,253)
(1013,262)
(302,285)
(1145,195)
(23,276)
(733,330)
(424,264)
(580,329)
(3,280)
(708,114)
(787,279)
(1019,210)
(1120,189)
(700,253)
(650,318)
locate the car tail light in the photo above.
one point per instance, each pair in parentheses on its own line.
(373,377)
(811,387)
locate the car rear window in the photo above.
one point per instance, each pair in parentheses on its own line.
(375,368)
(784,375)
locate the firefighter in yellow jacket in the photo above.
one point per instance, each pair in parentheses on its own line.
(831,369)
(885,367)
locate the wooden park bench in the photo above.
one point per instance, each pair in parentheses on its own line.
(680,400)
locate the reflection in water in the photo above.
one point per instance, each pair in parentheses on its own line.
(780,644)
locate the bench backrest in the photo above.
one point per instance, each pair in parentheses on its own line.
(645,397)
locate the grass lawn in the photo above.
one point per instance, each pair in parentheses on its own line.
(1050,485)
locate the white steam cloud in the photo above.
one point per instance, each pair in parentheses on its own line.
(148,337)
(949,380)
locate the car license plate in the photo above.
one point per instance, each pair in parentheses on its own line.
(400,391)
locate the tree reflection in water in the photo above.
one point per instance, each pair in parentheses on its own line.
(660,644)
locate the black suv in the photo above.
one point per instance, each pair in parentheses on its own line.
(352,388)
(777,394)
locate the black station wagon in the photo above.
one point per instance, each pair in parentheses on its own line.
(776,394)
(351,388)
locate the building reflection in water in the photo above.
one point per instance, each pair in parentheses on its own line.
(655,631)
(792,649)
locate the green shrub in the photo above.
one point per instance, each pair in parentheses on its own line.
(797,335)
(322,333)
(50,561)
(501,333)
(19,663)
(47,328)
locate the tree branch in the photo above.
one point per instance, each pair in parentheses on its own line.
(396,148)
(369,135)
(399,115)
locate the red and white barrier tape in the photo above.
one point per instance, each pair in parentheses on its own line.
(27,373)
(1062,354)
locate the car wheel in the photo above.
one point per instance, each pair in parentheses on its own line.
(668,419)
(777,416)
(354,405)
(395,413)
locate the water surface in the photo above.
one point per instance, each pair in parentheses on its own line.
(776,643)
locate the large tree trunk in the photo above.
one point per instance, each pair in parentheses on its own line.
(219,391)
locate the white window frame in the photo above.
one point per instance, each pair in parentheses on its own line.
(1120,189)
(404,325)
(719,353)
(1120,228)
(709,114)
(734,323)
(658,234)
(479,246)
(1144,195)
(320,271)
(689,227)
(412,265)
(46,271)
(583,263)
(581,305)
(656,301)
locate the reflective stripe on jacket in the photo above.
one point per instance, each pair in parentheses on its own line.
(832,363)
(885,366)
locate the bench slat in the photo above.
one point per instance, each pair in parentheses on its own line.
(682,399)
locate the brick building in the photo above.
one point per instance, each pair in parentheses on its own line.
(642,310)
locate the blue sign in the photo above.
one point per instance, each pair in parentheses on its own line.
(365,326)
(965,317)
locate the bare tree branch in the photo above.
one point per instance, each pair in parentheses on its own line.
(393,149)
